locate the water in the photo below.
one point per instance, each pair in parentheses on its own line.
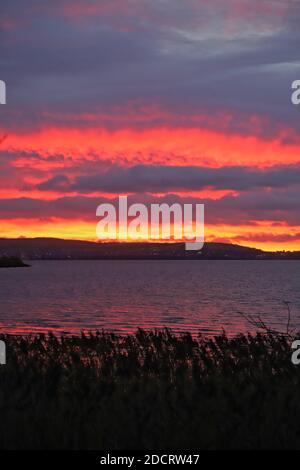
(70,296)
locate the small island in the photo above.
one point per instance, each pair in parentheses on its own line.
(12,262)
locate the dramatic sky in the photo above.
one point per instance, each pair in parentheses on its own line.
(163,100)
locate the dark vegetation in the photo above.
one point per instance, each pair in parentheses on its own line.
(11,262)
(152,390)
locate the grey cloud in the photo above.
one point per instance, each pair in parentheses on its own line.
(245,209)
(182,60)
(142,178)
(57,182)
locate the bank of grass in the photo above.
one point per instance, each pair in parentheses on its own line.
(151,390)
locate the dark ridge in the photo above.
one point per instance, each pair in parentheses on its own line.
(54,248)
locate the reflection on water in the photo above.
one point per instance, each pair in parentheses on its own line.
(190,296)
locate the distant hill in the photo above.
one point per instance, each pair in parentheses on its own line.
(54,248)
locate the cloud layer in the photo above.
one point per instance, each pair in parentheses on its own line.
(171,99)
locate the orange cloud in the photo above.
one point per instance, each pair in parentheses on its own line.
(164,145)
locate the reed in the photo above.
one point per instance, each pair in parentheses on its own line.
(151,390)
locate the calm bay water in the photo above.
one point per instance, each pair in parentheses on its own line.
(70,296)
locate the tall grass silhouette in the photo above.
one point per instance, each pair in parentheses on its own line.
(151,390)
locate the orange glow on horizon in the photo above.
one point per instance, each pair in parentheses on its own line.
(256,236)
(74,148)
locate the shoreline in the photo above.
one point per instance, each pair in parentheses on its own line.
(12,262)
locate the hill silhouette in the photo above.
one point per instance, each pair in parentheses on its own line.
(55,248)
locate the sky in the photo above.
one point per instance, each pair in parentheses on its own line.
(164,101)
